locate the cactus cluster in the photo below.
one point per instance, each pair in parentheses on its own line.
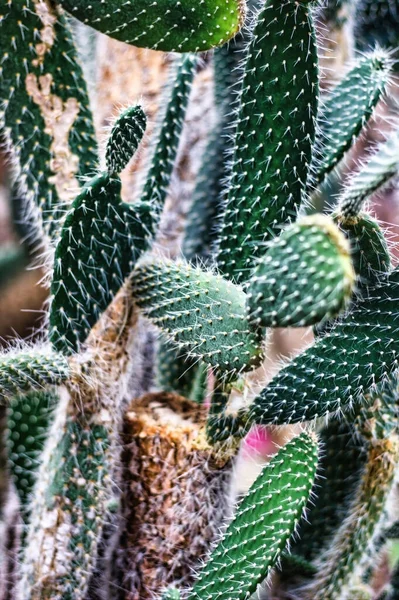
(129,495)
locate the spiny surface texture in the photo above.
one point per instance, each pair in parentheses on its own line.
(334,373)
(30,370)
(305,276)
(379,169)
(262,526)
(125,137)
(168,25)
(275,132)
(101,239)
(347,109)
(44,107)
(204,314)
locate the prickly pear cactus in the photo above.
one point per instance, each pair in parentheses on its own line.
(126,492)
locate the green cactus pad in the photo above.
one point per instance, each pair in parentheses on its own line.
(167,135)
(332,375)
(125,137)
(44,110)
(262,526)
(29,370)
(369,249)
(28,419)
(175,372)
(347,109)
(168,25)
(305,276)
(275,132)
(101,239)
(379,170)
(222,424)
(201,312)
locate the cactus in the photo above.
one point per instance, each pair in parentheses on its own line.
(129,496)
(347,109)
(279,139)
(262,526)
(45,112)
(164,25)
(305,276)
(378,171)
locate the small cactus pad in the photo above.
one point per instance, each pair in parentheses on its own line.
(168,25)
(275,132)
(340,367)
(44,107)
(101,240)
(380,168)
(125,137)
(305,276)
(204,314)
(262,526)
(25,371)
(369,249)
(347,109)
(171,594)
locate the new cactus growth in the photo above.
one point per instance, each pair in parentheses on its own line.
(126,491)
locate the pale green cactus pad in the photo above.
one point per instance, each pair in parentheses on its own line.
(305,276)
(183,26)
(201,312)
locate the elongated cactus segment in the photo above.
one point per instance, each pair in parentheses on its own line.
(125,137)
(262,526)
(167,25)
(369,249)
(305,276)
(276,128)
(176,495)
(44,110)
(101,239)
(379,170)
(28,420)
(332,375)
(352,545)
(201,312)
(167,136)
(36,369)
(347,109)
(75,479)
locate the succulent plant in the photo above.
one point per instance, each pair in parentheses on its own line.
(128,494)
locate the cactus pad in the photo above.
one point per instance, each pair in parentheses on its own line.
(125,137)
(101,240)
(275,132)
(305,276)
(189,26)
(262,526)
(204,314)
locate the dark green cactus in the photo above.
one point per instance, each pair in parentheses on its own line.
(275,132)
(167,25)
(45,112)
(124,139)
(347,109)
